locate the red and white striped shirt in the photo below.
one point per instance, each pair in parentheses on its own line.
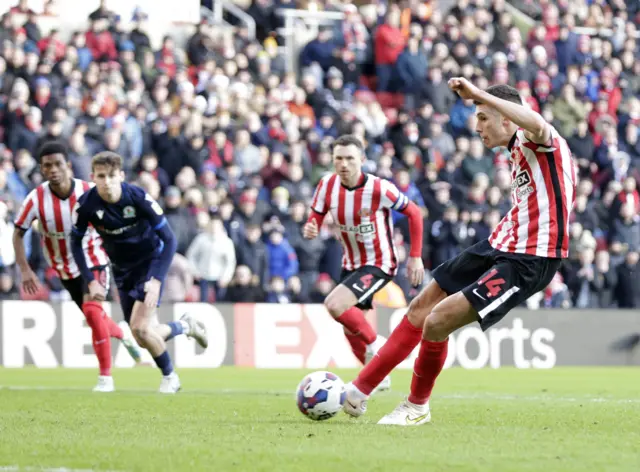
(55,216)
(363,217)
(543,194)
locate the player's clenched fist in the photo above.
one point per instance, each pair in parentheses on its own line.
(310,230)
(465,89)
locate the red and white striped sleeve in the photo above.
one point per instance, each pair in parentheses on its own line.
(319,204)
(28,211)
(391,197)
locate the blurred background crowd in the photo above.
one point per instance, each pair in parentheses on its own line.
(230,128)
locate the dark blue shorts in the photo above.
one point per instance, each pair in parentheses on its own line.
(130,283)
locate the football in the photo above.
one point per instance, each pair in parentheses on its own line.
(320,395)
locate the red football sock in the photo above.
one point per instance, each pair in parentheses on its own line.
(358,346)
(353,319)
(399,345)
(426,369)
(100,330)
(115,331)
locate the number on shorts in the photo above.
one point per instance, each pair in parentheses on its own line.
(494,286)
(366,281)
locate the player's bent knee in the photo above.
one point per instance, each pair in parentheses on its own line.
(435,327)
(140,333)
(416,315)
(421,306)
(450,314)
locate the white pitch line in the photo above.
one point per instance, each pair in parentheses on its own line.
(240,391)
(15,468)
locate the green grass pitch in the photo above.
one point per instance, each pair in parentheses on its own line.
(231,419)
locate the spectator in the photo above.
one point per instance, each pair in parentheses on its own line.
(389,44)
(278,292)
(100,41)
(412,68)
(604,280)
(283,262)
(557,294)
(263,12)
(252,253)
(448,236)
(582,147)
(102,12)
(625,234)
(436,91)
(476,162)
(213,256)
(442,141)
(179,280)
(460,114)
(179,219)
(243,288)
(569,111)
(308,252)
(320,50)
(323,286)
(626,292)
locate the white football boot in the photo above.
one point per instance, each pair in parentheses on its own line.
(197,330)
(105,384)
(130,344)
(408,414)
(170,384)
(356,402)
(372,350)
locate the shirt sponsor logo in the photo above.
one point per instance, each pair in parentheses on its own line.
(366,228)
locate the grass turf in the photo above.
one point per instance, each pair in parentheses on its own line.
(233,419)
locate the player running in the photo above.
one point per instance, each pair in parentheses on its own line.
(490,278)
(141,245)
(361,205)
(52,203)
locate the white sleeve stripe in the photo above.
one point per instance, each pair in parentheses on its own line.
(319,200)
(401,203)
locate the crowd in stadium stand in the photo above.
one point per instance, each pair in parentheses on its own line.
(232,142)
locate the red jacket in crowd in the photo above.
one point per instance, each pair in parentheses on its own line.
(389,43)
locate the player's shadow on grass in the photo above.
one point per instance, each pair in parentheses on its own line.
(339,422)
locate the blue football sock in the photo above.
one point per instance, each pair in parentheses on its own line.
(163,361)
(176,329)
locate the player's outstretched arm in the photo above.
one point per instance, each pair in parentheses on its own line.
(535,126)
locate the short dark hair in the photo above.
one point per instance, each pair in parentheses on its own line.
(109,159)
(348,140)
(53,147)
(505,92)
